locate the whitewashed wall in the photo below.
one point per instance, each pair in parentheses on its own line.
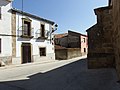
(5,28)
(6,41)
(35,44)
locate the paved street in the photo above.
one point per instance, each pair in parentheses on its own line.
(59,75)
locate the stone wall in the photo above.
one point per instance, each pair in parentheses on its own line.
(63,41)
(100,46)
(69,41)
(67,53)
(116,32)
(73,41)
(61,54)
(74,52)
(14,34)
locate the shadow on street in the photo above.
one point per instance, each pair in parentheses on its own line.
(74,76)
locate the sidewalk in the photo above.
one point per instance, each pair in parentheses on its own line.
(12,72)
(41,62)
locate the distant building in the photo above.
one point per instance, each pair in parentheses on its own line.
(72,40)
(24,37)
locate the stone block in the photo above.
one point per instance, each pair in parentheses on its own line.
(6,60)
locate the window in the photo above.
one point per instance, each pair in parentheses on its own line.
(42,51)
(27,29)
(84,49)
(0,45)
(84,40)
(42,30)
(0,13)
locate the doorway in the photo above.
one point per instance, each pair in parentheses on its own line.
(84,50)
(26,53)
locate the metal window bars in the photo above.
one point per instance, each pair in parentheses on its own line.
(38,34)
(24,31)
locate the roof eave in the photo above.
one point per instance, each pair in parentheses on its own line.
(33,16)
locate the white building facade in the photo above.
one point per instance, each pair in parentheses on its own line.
(5,31)
(25,37)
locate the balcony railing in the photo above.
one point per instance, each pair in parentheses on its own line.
(42,35)
(26,33)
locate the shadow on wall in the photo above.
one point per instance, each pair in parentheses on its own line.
(74,76)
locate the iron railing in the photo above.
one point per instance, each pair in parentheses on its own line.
(25,32)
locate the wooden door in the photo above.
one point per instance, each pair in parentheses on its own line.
(26,52)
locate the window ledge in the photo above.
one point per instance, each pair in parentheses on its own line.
(42,56)
(26,36)
(42,37)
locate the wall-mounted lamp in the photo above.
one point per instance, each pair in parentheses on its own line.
(54,28)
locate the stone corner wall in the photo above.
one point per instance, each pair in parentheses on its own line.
(116,33)
(100,44)
(13,32)
(101,60)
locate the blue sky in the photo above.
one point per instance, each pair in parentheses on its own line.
(77,15)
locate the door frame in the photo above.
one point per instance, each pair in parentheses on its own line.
(23,44)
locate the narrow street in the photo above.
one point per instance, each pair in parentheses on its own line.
(59,75)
